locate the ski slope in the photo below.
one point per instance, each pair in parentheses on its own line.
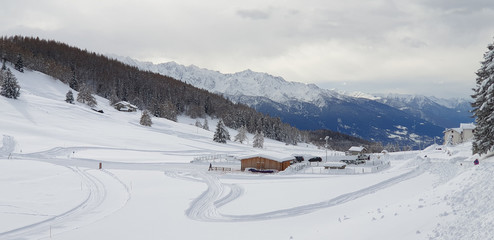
(52,188)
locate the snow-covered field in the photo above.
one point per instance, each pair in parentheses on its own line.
(51,186)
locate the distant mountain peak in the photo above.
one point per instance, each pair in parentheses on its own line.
(246,82)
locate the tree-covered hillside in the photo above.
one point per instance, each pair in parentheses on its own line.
(162,96)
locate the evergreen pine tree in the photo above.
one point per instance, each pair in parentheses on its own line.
(146,119)
(221,134)
(198,124)
(73,83)
(3,64)
(205,125)
(85,96)
(483,105)
(19,65)
(113,97)
(242,135)
(258,141)
(10,87)
(69,97)
(2,76)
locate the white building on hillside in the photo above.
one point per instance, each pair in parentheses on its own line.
(356,150)
(459,135)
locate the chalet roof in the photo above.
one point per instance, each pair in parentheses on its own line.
(356,149)
(467,126)
(278,158)
(463,126)
(125,103)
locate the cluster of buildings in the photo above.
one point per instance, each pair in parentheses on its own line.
(464,133)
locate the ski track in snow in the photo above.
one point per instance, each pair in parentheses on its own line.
(91,205)
(205,207)
(95,197)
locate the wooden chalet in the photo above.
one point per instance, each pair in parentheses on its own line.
(356,150)
(124,106)
(261,162)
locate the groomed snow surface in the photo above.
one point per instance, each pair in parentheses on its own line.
(52,188)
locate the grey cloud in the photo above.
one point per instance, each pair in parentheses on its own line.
(459,6)
(254,14)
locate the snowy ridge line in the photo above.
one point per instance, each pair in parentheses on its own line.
(60,151)
(205,207)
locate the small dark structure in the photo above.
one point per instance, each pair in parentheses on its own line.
(98,110)
(260,171)
(334,165)
(299,158)
(263,162)
(315,159)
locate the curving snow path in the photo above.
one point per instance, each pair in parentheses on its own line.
(105,194)
(206,206)
(98,203)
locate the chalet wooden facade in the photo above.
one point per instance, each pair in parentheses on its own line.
(262,162)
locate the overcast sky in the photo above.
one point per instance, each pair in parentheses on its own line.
(430,47)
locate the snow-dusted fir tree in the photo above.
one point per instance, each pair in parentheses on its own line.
(198,124)
(146,118)
(19,65)
(85,96)
(242,135)
(205,125)
(483,105)
(69,97)
(221,134)
(258,141)
(73,83)
(10,87)
(3,64)
(2,76)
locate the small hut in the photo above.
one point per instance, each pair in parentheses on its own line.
(356,150)
(262,162)
(124,106)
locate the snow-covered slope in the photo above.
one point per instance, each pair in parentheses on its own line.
(52,188)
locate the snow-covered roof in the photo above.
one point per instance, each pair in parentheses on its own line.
(356,149)
(125,103)
(278,158)
(467,126)
(463,126)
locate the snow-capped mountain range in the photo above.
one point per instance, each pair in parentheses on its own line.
(408,119)
(244,83)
